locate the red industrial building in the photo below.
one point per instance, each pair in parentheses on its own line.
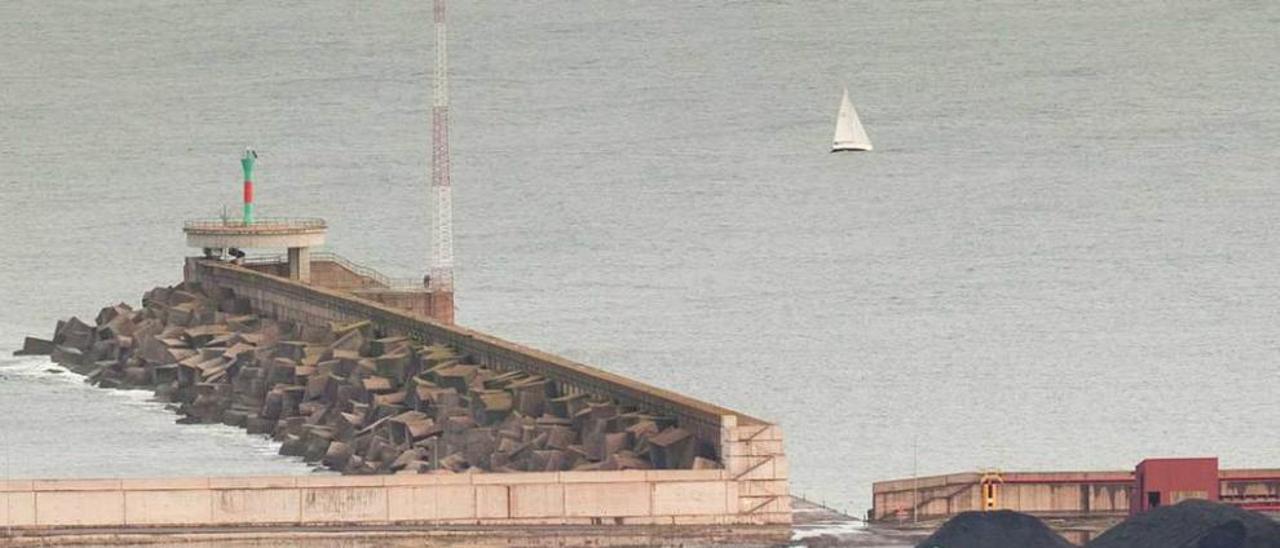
(1161,482)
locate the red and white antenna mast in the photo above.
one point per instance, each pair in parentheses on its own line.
(441,270)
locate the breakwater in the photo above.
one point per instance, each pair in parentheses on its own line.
(633,497)
(355,400)
(364,388)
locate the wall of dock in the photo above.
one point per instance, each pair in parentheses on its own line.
(751,450)
(634,497)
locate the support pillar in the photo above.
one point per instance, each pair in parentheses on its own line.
(440,306)
(300,264)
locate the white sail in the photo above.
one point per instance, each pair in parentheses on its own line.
(849,132)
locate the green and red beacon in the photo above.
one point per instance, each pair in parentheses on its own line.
(246,162)
(226,236)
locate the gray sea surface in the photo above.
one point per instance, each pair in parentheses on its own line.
(1063,253)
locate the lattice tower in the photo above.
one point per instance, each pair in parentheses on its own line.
(441,269)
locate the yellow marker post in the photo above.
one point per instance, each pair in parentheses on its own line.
(990,483)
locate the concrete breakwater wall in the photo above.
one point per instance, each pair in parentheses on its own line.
(750,450)
(283,299)
(636,497)
(743,444)
(748,469)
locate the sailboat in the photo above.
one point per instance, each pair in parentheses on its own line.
(849,132)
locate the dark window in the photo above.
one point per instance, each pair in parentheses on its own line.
(1153,499)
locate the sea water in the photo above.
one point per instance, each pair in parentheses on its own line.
(1061,255)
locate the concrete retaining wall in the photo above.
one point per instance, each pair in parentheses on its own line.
(323,273)
(338,277)
(635,497)
(751,450)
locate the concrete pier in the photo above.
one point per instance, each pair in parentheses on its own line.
(300,264)
(750,449)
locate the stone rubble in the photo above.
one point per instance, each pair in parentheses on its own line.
(352,400)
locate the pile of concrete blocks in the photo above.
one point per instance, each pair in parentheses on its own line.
(354,400)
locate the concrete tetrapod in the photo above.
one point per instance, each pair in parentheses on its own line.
(349,398)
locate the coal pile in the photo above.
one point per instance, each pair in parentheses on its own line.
(1193,524)
(999,529)
(352,399)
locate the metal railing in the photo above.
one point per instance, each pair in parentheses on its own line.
(364,271)
(381,280)
(267,223)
